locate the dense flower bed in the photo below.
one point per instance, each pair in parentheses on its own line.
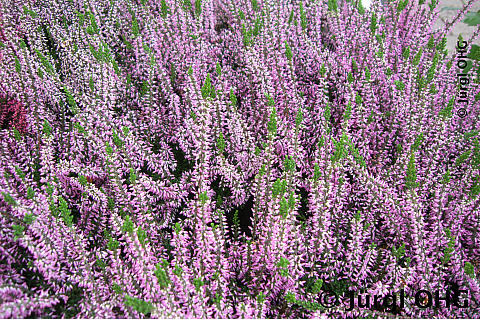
(235,159)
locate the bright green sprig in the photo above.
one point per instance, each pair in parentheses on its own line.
(288,51)
(418,141)
(350,77)
(128,225)
(47,129)
(272,123)
(141,235)
(373,23)
(139,305)
(220,143)
(303,17)
(9,199)
(133,176)
(161,275)
(463,157)
(367,73)
(289,164)
(447,111)
(29,218)
(30,193)
(283,208)
(18,66)
(469,269)
(198,7)
(283,266)
(348,111)
(316,172)
(65,212)
(197,282)
(279,187)
(406,53)
(46,64)
(208,91)
(411,174)
(18,231)
(416,59)
(164,9)
(332,5)
(447,254)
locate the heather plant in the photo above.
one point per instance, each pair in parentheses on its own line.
(234,159)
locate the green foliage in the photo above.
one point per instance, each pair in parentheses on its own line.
(469,269)
(411,174)
(161,275)
(18,66)
(447,111)
(475,187)
(135,27)
(406,53)
(197,282)
(447,253)
(218,69)
(29,12)
(139,305)
(340,149)
(373,23)
(288,51)
(332,5)
(112,244)
(399,85)
(283,266)
(233,97)
(463,157)
(142,235)
(350,78)
(71,101)
(472,18)
(416,59)
(418,141)
(358,99)
(367,73)
(30,193)
(18,231)
(401,5)
(299,117)
(164,9)
(279,187)
(116,140)
(220,143)
(433,4)
(65,212)
(303,17)
(9,199)
(323,70)
(203,197)
(254,5)
(316,172)
(198,7)
(132,176)
(128,225)
(398,252)
(289,164)
(116,288)
(208,91)
(361,9)
(474,53)
(45,63)
(272,123)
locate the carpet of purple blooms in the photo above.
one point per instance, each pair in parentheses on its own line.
(234,158)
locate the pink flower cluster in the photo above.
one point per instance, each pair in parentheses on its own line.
(234,159)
